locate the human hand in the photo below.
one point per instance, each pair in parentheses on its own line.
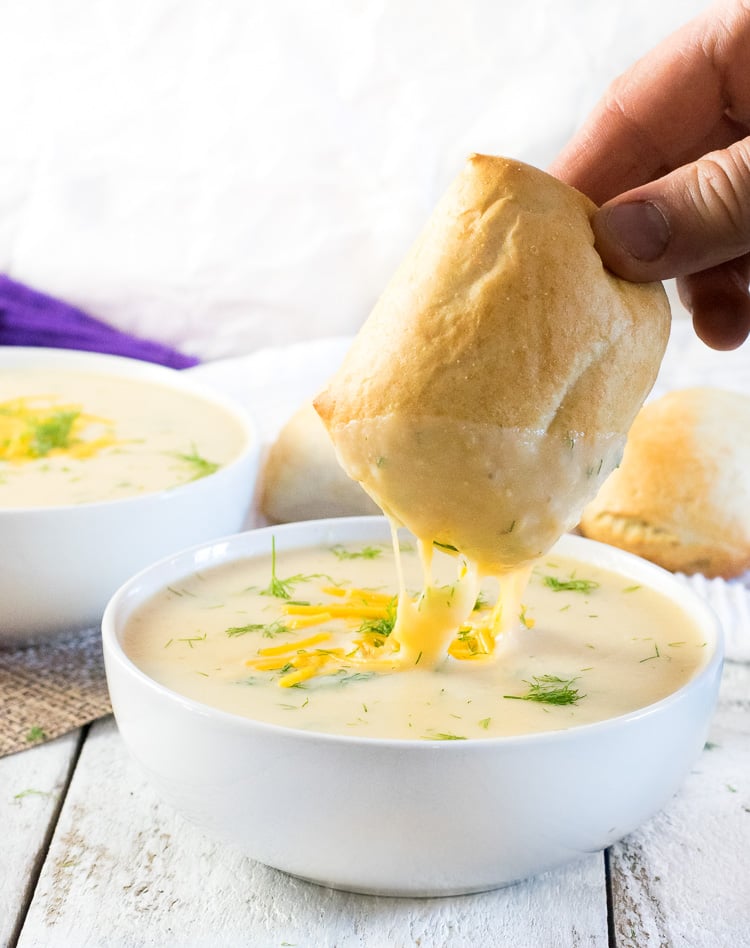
(667,154)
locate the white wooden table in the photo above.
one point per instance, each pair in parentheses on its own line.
(91,857)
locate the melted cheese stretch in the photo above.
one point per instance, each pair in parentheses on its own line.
(600,645)
(71,437)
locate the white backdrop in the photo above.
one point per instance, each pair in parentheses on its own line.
(227,174)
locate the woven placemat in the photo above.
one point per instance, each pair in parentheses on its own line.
(51,688)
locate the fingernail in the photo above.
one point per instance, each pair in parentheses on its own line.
(639,228)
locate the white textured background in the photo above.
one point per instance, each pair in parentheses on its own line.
(227,174)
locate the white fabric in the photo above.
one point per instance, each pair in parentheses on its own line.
(226,175)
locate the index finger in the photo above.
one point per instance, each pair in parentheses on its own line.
(688,96)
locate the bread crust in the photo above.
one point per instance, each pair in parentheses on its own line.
(681,496)
(302,479)
(501,319)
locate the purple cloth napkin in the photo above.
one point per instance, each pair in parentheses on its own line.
(30,318)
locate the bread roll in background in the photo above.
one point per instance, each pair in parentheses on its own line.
(681,496)
(487,396)
(303,480)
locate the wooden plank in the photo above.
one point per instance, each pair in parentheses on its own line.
(124,870)
(31,785)
(684,878)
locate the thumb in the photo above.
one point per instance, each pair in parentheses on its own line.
(694,218)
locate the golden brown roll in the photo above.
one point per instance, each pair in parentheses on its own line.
(681,497)
(302,480)
(488,395)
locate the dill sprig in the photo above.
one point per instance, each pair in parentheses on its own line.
(384,625)
(283,588)
(443,736)
(549,689)
(269,629)
(446,547)
(366,553)
(200,465)
(571,585)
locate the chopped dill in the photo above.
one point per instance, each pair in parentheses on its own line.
(657,654)
(481,602)
(366,553)
(443,736)
(449,548)
(193,638)
(549,689)
(201,466)
(35,733)
(53,432)
(383,626)
(484,723)
(269,629)
(571,585)
(355,676)
(31,792)
(631,589)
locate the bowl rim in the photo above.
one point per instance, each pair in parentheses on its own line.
(149,372)
(694,604)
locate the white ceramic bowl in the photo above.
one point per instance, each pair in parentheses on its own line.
(405,817)
(59,565)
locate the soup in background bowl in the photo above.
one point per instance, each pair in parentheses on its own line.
(106,464)
(434,781)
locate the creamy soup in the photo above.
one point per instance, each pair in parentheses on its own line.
(70,437)
(305,639)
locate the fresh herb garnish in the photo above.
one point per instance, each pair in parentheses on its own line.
(481,602)
(53,432)
(200,465)
(269,629)
(282,588)
(31,792)
(549,689)
(382,626)
(366,553)
(193,638)
(571,585)
(443,736)
(657,654)
(35,733)
(355,676)
(449,548)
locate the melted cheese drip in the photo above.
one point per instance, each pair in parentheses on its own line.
(425,628)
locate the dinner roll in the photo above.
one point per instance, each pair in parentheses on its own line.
(302,480)
(487,396)
(681,496)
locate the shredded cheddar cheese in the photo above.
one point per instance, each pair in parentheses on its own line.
(38,427)
(371,646)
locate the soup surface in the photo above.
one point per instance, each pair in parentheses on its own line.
(70,437)
(303,639)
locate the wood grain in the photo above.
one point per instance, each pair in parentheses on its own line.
(32,784)
(683,878)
